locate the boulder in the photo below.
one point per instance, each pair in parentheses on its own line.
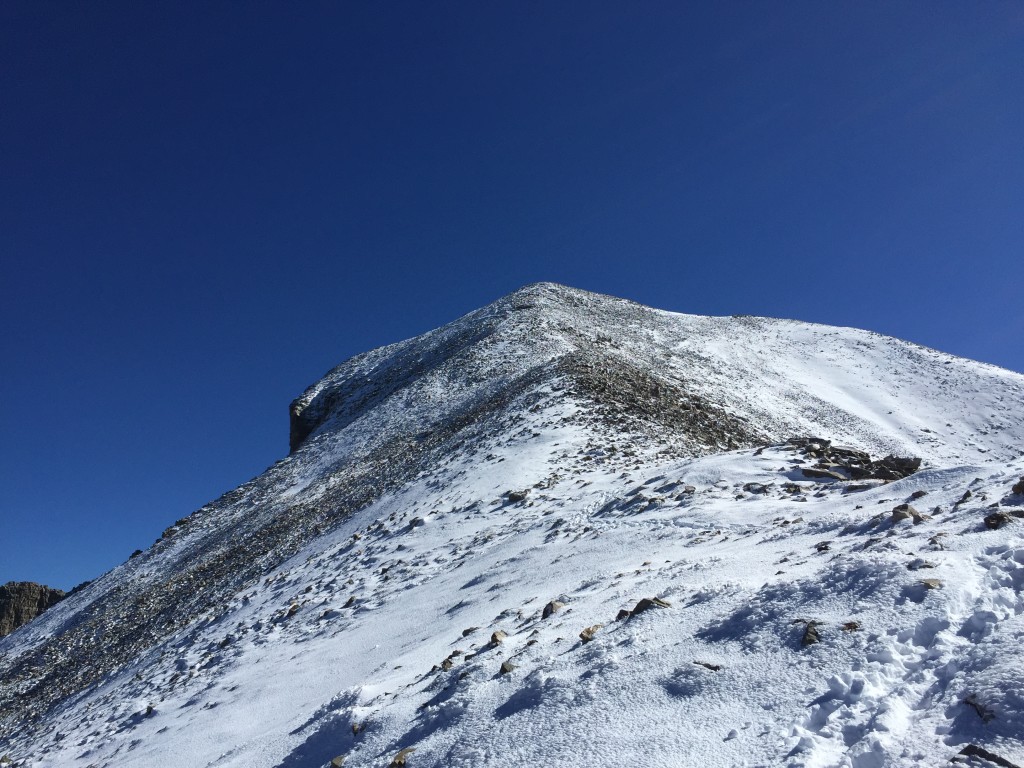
(506,667)
(997,520)
(588,634)
(497,637)
(551,608)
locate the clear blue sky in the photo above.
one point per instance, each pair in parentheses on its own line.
(204,206)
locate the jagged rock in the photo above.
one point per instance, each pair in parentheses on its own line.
(506,667)
(648,603)
(622,614)
(398,761)
(931,583)
(1018,488)
(469,631)
(22,601)
(760,488)
(588,634)
(551,608)
(497,637)
(850,626)
(338,761)
(918,495)
(516,496)
(997,520)
(708,665)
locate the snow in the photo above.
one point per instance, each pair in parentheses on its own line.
(352,630)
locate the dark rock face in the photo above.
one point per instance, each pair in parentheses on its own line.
(22,601)
(839,463)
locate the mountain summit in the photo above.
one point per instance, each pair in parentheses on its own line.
(570,529)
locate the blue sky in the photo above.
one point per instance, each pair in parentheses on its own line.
(205,206)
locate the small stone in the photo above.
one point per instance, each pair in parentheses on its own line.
(622,614)
(1019,488)
(930,583)
(506,667)
(338,761)
(516,496)
(811,634)
(918,495)
(588,634)
(708,665)
(551,608)
(851,626)
(497,637)
(469,631)
(398,761)
(648,603)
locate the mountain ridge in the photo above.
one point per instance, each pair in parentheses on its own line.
(542,386)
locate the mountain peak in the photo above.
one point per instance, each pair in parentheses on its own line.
(564,448)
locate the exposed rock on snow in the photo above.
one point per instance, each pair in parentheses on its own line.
(561,443)
(22,601)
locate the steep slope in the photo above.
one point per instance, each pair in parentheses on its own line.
(560,444)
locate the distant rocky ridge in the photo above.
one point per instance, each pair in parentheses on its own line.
(22,601)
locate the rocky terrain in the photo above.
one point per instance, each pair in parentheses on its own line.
(569,529)
(22,601)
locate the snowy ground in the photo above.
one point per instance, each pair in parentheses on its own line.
(376,637)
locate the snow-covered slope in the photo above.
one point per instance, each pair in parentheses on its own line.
(563,446)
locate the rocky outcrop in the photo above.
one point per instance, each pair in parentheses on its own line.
(22,601)
(839,463)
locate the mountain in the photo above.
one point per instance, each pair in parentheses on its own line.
(567,529)
(22,601)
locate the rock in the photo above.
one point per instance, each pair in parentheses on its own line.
(965,498)
(551,608)
(506,667)
(497,637)
(918,495)
(622,614)
(850,626)
(398,761)
(588,634)
(469,631)
(1019,488)
(822,474)
(707,665)
(997,520)
(811,634)
(903,512)
(648,603)
(516,496)
(760,488)
(22,601)
(930,583)
(338,761)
